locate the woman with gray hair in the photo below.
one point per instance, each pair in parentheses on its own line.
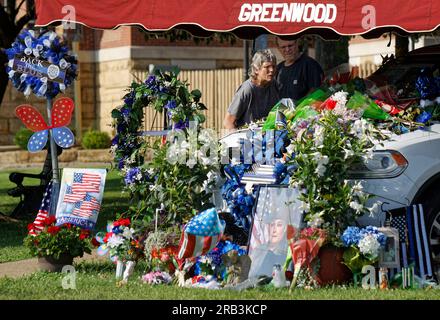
(256,96)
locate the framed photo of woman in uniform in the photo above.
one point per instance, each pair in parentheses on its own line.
(389,256)
(275,209)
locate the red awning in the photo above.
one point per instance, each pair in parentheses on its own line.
(248,19)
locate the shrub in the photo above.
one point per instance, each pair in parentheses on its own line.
(96,140)
(22,137)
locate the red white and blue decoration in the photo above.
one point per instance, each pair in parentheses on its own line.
(201,234)
(61,116)
(80,197)
(40,63)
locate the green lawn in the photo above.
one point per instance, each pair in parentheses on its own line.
(96,281)
(12,234)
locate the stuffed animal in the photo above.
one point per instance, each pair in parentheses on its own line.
(279,277)
(237,267)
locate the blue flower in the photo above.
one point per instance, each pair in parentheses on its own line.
(351,236)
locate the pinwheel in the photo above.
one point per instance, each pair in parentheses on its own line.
(61,116)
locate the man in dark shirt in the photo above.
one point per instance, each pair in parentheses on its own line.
(298,74)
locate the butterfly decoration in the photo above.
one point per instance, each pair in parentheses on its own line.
(61,115)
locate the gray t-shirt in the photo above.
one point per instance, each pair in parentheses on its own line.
(251,102)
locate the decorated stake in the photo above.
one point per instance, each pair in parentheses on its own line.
(39,63)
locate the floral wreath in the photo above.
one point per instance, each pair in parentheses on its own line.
(46,46)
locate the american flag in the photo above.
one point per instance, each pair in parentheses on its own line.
(72,197)
(90,202)
(81,211)
(201,234)
(86,182)
(43,212)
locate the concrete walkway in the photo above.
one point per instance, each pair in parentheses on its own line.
(17,269)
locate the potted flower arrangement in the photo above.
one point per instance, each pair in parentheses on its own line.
(123,244)
(324,148)
(56,246)
(363,248)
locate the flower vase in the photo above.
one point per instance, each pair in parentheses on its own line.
(332,270)
(129,268)
(119,269)
(52,264)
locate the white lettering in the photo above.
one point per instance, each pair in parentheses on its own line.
(68,281)
(294,12)
(275,12)
(245,12)
(256,11)
(320,7)
(266,13)
(331,8)
(298,9)
(309,12)
(369,280)
(70,18)
(369,20)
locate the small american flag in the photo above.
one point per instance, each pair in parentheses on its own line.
(43,212)
(201,234)
(85,182)
(90,202)
(72,197)
(81,211)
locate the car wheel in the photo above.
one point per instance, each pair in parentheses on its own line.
(432,217)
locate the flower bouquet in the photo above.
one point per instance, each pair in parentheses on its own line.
(304,248)
(57,242)
(123,245)
(363,247)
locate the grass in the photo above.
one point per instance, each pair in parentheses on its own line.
(12,233)
(95,280)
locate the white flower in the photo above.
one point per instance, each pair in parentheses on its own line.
(128,233)
(290,148)
(320,170)
(369,246)
(319,136)
(115,241)
(315,221)
(305,207)
(375,209)
(348,153)
(356,206)
(357,189)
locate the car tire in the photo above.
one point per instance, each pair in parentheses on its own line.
(431,207)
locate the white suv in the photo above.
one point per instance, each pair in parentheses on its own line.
(406,170)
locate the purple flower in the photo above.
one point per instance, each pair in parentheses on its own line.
(170,104)
(181,124)
(130,177)
(151,81)
(115,140)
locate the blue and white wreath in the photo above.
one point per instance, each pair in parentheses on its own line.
(46,52)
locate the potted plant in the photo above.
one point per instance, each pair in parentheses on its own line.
(56,246)
(324,148)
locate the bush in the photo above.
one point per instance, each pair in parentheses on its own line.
(96,140)
(22,137)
